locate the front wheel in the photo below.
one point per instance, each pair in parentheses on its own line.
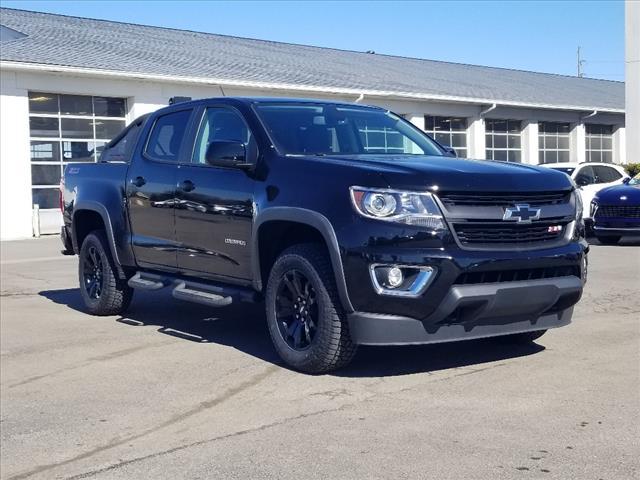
(609,239)
(101,289)
(306,322)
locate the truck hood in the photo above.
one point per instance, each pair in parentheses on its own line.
(417,172)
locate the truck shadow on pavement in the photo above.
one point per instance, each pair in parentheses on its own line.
(244,327)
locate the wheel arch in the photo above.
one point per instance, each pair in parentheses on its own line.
(89,216)
(313,226)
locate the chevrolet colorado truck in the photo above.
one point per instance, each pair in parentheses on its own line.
(351,225)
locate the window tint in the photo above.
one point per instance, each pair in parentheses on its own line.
(606,174)
(585,176)
(221,124)
(167,135)
(309,128)
(121,150)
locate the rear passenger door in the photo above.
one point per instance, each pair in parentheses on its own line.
(151,188)
(214,205)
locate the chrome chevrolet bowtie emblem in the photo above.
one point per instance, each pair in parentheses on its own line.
(521,213)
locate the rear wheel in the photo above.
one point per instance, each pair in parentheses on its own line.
(609,239)
(307,325)
(102,291)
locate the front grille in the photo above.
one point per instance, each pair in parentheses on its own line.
(618,211)
(503,199)
(517,275)
(504,233)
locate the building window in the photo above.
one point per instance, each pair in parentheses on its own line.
(503,140)
(67,128)
(450,131)
(553,142)
(599,143)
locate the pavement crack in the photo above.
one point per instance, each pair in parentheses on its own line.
(231,392)
(247,431)
(100,358)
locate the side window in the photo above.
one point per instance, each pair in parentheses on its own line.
(121,150)
(221,124)
(167,136)
(585,176)
(606,174)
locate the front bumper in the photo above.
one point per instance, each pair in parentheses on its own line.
(622,231)
(476,311)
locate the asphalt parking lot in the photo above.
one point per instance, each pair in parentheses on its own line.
(175,390)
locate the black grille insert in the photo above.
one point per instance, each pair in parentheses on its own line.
(503,199)
(504,233)
(618,211)
(522,274)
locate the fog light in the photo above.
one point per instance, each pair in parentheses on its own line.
(395,277)
(401,280)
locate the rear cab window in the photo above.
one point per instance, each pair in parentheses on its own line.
(167,136)
(120,148)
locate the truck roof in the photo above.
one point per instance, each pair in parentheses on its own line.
(256,100)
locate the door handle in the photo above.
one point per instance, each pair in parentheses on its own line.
(187,186)
(138,181)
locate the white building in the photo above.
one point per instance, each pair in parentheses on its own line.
(632,76)
(69,84)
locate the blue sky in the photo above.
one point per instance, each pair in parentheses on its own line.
(529,35)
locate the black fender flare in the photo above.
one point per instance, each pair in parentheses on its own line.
(89,205)
(312,219)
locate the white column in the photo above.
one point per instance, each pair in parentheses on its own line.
(577,141)
(417,119)
(476,140)
(530,142)
(15,168)
(620,146)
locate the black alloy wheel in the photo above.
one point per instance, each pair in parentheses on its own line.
(297,310)
(103,290)
(93,273)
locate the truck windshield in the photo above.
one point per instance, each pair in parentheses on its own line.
(326,129)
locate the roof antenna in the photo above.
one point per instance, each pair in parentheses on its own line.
(579,63)
(222,90)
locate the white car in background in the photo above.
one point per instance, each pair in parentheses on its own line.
(591,177)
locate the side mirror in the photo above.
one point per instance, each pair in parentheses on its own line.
(450,151)
(626,180)
(227,154)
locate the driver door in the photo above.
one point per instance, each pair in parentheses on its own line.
(214,204)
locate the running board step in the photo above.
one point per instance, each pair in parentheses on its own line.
(147,281)
(199,293)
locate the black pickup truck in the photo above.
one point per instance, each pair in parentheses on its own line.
(352,225)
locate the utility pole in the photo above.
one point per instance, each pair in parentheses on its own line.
(579,64)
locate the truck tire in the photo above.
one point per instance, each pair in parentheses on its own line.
(609,239)
(306,322)
(102,291)
(522,338)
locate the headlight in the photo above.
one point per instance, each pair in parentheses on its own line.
(410,208)
(594,207)
(578,198)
